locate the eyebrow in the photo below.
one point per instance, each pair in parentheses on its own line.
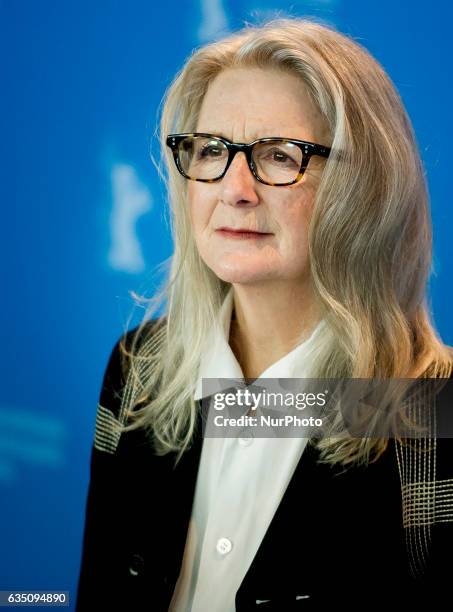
(221,134)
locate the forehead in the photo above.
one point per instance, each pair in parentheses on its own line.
(249,103)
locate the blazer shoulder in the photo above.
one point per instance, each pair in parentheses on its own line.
(109,417)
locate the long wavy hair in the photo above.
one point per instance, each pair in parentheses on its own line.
(370,239)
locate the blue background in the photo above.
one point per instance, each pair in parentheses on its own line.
(84,223)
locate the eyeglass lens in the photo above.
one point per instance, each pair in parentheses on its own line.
(275,161)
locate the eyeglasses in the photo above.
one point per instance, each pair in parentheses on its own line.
(272,161)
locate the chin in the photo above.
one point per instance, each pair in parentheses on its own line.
(244,276)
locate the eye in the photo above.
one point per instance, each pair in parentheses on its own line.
(211,151)
(277,156)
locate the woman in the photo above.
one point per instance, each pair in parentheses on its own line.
(302,249)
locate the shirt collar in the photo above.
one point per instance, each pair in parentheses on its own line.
(219,361)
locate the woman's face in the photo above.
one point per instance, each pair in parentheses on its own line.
(243,105)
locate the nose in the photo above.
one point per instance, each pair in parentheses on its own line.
(239,186)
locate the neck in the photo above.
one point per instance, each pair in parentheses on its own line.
(268,322)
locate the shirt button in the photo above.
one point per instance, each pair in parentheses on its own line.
(245,441)
(136,565)
(224,545)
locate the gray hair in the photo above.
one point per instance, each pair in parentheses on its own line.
(370,237)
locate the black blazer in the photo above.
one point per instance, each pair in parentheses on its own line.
(370,536)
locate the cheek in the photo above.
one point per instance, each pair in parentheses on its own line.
(294,222)
(200,208)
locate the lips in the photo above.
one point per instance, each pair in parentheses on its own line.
(242,234)
(241,231)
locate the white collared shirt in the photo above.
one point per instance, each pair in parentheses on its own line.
(240,484)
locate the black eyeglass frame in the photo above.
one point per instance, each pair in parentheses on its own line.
(308,149)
